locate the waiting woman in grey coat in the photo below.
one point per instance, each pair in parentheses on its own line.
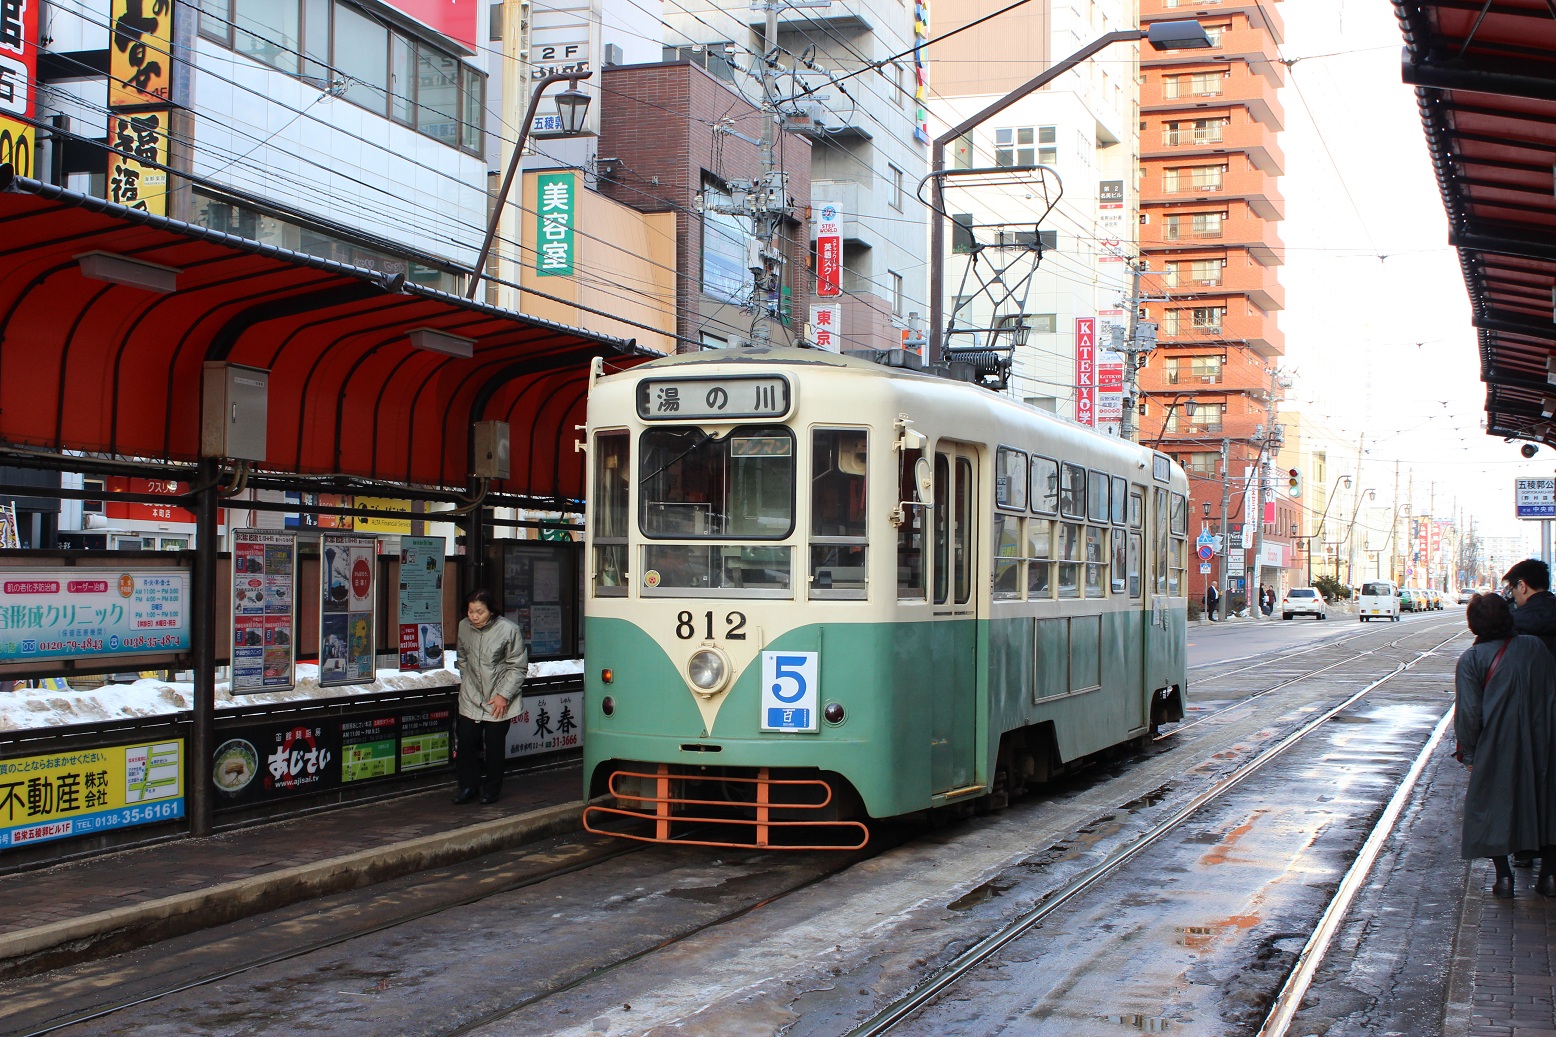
(1505,719)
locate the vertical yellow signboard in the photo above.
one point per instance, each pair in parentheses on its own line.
(18,79)
(140,59)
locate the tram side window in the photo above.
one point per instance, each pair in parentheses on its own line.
(1071,541)
(1117,570)
(1040,555)
(1072,491)
(942,520)
(1137,507)
(1178,561)
(837,513)
(1160,538)
(1134,565)
(1120,492)
(1007,557)
(1096,561)
(910,534)
(964,530)
(1045,486)
(1097,497)
(1010,478)
(608,513)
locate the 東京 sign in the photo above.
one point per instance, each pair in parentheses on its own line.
(693,399)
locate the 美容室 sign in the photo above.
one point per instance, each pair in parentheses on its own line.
(82,613)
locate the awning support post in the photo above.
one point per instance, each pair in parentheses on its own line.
(202,738)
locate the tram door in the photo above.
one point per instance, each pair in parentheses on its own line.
(954,650)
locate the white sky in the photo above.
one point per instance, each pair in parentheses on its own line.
(1381,346)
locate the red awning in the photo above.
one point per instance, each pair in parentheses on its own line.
(102,367)
(1485,78)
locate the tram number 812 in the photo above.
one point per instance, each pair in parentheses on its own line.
(686,626)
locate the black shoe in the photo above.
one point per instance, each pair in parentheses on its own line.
(488,800)
(1502,889)
(1523,859)
(1546,886)
(464,796)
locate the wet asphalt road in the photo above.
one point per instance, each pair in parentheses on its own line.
(1194,938)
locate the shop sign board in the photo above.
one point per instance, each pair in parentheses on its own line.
(84,791)
(82,612)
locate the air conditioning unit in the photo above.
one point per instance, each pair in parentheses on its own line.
(1210,282)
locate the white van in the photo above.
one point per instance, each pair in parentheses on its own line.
(1378,599)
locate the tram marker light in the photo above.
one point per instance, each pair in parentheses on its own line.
(607,676)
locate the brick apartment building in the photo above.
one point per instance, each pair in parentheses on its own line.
(1210,204)
(664,139)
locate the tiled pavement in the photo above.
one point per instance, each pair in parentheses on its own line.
(1502,983)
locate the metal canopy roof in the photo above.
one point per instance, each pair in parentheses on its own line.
(92,365)
(1485,78)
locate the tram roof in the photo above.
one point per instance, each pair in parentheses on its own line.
(103,366)
(1485,78)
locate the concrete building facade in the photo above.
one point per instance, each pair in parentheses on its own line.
(1210,208)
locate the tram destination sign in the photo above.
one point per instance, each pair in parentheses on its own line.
(735,398)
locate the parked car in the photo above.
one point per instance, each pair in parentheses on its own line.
(1465,594)
(1411,599)
(1435,596)
(1379,599)
(1304,600)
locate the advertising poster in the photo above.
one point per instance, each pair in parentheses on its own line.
(346,600)
(425,738)
(140,66)
(252,765)
(18,72)
(1086,370)
(314,519)
(89,790)
(84,613)
(547,723)
(369,747)
(137,160)
(829,250)
(420,616)
(374,524)
(264,586)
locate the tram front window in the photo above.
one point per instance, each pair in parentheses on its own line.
(734,489)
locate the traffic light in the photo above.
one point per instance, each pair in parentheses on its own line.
(1294,482)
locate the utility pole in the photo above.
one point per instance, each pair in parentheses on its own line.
(1410,491)
(1138,342)
(1394,529)
(1431,528)
(765,200)
(1226,532)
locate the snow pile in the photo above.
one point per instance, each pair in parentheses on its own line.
(26,708)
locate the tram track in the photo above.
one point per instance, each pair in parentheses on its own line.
(584,977)
(938,983)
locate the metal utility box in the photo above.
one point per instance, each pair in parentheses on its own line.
(489,450)
(233,408)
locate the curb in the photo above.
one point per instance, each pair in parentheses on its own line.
(29,951)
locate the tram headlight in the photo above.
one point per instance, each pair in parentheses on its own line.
(707,670)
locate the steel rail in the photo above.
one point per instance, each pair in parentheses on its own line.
(937,983)
(1290,997)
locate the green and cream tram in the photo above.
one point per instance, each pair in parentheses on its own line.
(822,590)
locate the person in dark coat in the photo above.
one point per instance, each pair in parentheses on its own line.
(1212,596)
(1530,582)
(1505,721)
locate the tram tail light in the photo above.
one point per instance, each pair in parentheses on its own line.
(833,712)
(608,706)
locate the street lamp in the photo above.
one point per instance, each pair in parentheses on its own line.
(1189,406)
(1179,35)
(1321,519)
(1350,541)
(572,105)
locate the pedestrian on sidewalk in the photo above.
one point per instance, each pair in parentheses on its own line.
(1212,596)
(1529,586)
(493,663)
(1505,720)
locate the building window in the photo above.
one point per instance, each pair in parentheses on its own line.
(1192,178)
(1197,84)
(1208,318)
(334,43)
(894,286)
(963,151)
(1026,146)
(1043,323)
(724,244)
(1198,225)
(1207,418)
(1201,463)
(1195,131)
(896,187)
(92,507)
(1194,273)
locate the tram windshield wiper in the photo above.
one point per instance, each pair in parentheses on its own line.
(703,438)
